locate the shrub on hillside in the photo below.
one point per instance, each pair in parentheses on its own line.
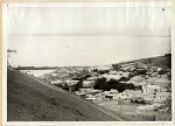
(168,54)
(77,86)
(66,87)
(163,71)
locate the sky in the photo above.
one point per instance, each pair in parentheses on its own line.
(73,36)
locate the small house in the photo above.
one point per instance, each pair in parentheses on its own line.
(88,84)
(56,82)
(71,82)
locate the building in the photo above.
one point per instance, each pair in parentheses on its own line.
(88,84)
(163,95)
(151,88)
(112,94)
(71,82)
(92,78)
(109,77)
(88,92)
(57,82)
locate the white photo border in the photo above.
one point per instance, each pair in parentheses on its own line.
(80,123)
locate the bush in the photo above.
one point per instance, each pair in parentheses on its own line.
(116,67)
(142,71)
(83,74)
(103,71)
(66,87)
(77,86)
(138,101)
(95,70)
(168,54)
(100,83)
(163,71)
(124,79)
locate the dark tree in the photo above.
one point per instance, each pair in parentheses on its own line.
(116,66)
(77,86)
(66,87)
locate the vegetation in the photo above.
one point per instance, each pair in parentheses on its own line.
(81,75)
(116,66)
(66,87)
(138,101)
(35,68)
(104,85)
(77,86)
(103,71)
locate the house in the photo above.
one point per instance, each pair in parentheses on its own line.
(122,96)
(128,67)
(113,91)
(71,82)
(152,107)
(109,77)
(112,94)
(57,82)
(109,96)
(160,101)
(118,77)
(104,67)
(163,95)
(92,78)
(151,88)
(92,99)
(112,72)
(88,84)
(89,91)
(85,90)
(79,93)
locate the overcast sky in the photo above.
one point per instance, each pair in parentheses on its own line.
(67,36)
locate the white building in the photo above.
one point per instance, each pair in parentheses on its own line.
(71,82)
(151,88)
(57,81)
(88,84)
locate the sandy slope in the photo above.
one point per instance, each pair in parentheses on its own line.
(30,99)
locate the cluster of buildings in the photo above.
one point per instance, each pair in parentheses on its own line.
(127,96)
(154,87)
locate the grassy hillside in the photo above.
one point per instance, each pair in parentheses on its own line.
(159,61)
(29,99)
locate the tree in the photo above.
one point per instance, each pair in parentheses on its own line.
(66,87)
(116,66)
(77,86)
(100,83)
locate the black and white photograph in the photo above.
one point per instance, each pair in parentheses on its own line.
(88,62)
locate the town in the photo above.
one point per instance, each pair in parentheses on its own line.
(127,88)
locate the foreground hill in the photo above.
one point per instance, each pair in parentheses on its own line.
(29,99)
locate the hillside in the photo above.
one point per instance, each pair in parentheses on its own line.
(159,61)
(29,99)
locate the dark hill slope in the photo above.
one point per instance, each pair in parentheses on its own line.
(159,61)
(29,99)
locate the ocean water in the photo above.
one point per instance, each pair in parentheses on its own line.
(38,73)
